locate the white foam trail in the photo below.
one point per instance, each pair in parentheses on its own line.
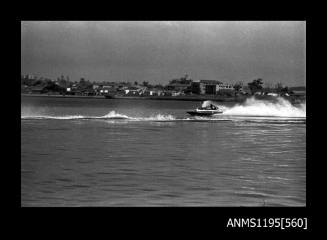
(160,117)
(157,117)
(66,117)
(110,115)
(254,107)
(28,114)
(258,109)
(114,115)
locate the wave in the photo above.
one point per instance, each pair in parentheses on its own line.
(113,115)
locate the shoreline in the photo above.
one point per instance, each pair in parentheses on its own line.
(58,96)
(176,98)
(168,98)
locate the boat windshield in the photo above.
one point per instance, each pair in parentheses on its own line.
(209,107)
(213,107)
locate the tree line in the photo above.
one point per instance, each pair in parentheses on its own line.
(62,84)
(257,86)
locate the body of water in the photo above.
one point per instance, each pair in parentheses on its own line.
(110,152)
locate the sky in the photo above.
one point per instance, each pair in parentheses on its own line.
(158,51)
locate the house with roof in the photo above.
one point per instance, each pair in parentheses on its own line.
(212,87)
(134,91)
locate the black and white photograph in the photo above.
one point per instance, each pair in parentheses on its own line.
(163,113)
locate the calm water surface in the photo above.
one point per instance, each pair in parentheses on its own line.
(99,152)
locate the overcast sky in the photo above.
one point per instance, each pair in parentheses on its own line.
(160,51)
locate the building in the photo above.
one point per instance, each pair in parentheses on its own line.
(29,76)
(104,89)
(195,87)
(209,86)
(134,91)
(156,92)
(179,87)
(153,92)
(223,86)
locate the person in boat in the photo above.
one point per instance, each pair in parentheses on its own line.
(213,107)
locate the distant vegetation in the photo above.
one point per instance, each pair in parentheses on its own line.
(255,85)
(181,86)
(238,86)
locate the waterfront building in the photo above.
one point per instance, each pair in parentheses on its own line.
(224,86)
(209,86)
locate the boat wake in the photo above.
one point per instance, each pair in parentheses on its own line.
(113,115)
(117,117)
(263,108)
(252,110)
(279,108)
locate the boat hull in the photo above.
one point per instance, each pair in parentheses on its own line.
(196,113)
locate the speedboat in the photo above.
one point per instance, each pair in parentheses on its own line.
(205,111)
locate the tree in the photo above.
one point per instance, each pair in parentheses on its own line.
(188,90)
(52,87)
(238,86)
(37,82)
(284,90)
(135,83)
(268,87)
(279,87)
(84,85)
(159,86)
(255,85)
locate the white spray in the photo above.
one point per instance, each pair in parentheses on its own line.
(254,107)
